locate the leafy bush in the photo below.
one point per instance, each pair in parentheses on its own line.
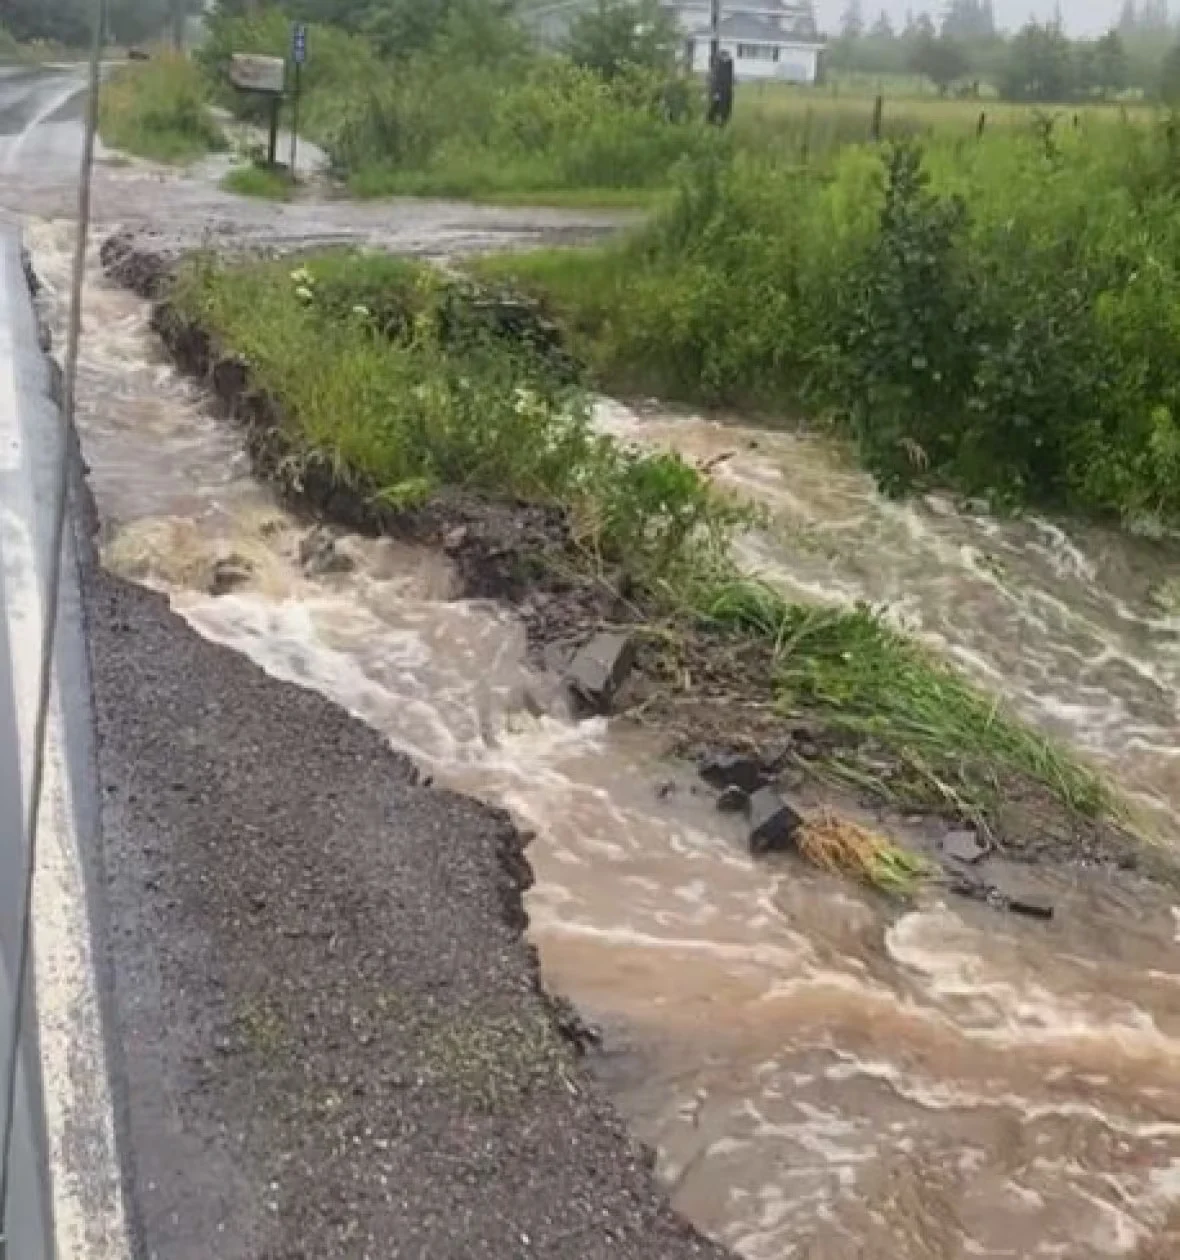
(159,109)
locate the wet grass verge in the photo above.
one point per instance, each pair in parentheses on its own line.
(158,109)
(388,397)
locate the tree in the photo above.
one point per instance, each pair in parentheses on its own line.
(882,27)
(67,21)
(923,26)
(620,33)
(852,23)
(940,59)
(1039,65)
(405,28)
(1111,71)
(969,20)
(1169,85)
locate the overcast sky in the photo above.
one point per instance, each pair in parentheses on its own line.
(1082,17)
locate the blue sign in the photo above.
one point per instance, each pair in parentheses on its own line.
(299,43)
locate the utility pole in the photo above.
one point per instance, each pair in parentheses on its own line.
(721,72)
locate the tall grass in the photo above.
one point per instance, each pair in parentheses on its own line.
(1000,314)
(159,109)
(400,383)
(540,125)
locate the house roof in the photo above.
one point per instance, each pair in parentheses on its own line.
(753,28)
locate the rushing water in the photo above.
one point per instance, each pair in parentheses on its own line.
(822,1078)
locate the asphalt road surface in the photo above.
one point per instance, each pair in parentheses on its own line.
(285,1006)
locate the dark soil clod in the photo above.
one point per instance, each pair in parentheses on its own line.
(734,800)
(729,769)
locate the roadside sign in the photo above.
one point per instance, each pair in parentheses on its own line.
(258,74)
(299,43)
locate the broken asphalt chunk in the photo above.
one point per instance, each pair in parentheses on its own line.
(773,823)
(599,669)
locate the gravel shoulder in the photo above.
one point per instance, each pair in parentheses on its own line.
(329,1026)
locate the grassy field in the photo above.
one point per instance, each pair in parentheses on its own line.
(784,118)
(1000,315)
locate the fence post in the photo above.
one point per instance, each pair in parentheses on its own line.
(981,124)
(878,118)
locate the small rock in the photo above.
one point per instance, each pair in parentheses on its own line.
(665,789)
(599,669)
(454,538)
(963,846)
(773,822)
(229,572)
(319,555)
(725,769)
(733,800)
(1032,905)
(969,886)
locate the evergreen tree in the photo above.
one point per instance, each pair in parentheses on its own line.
(852,24)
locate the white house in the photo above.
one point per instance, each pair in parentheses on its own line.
(774,40)
(767,39)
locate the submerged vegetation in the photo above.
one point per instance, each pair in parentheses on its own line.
(404,383)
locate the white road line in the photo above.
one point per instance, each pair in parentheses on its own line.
(87,1198)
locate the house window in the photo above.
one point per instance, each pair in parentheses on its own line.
(758,52)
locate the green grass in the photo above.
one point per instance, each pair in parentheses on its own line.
(508,189)
(158,109)
(388,376)
(996,315)
(259,181)
(958,747)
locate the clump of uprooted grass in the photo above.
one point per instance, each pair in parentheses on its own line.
(843,847)
(159,109)
(949,745)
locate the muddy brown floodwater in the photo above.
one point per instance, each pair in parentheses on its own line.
(822,1076)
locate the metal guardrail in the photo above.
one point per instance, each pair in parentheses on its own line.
(30,1234)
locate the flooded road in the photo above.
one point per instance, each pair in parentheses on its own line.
(823,1076)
